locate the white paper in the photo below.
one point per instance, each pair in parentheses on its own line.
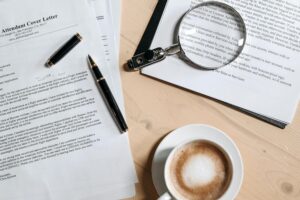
(26,41)
(105,15)
(276,98)
(116,14)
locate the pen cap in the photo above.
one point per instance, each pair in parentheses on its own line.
(64,50)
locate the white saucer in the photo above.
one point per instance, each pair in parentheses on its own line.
(196,132)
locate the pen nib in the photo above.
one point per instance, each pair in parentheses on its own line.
(91,61)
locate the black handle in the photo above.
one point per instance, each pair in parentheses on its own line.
(146,58)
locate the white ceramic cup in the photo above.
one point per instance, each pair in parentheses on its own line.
(235,183)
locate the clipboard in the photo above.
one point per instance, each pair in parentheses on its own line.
(145,44)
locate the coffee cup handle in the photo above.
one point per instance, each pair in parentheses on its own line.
(165,196)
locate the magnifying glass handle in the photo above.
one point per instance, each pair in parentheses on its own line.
(172,50)
(146,58)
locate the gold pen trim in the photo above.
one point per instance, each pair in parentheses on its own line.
(49,64)
(79,36)
(93,65)
(101,79)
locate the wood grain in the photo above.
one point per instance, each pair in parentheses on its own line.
(271,156)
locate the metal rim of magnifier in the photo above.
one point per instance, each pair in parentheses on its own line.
(243,24)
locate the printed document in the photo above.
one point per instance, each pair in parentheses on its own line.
(55,128)
(107,13)
(264,79)
(106,16)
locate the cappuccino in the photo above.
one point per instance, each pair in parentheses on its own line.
(199,170)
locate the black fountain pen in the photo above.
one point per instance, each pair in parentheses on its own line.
(108,96)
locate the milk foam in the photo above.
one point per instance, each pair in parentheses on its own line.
(198,170)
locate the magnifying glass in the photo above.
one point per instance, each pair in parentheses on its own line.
(210,35)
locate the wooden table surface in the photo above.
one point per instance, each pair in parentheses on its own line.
(271,156)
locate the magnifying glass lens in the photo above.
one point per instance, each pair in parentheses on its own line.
(212,35)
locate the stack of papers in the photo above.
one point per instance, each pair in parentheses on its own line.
(264,80)
(58,140)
